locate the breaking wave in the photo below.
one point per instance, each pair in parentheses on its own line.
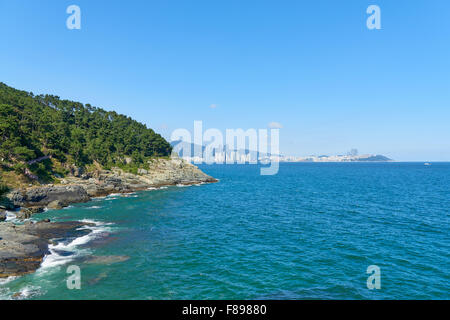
(66,251)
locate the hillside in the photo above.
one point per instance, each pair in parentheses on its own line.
(43,136)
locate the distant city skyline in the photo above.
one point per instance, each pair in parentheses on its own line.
(221,154)
(311,69)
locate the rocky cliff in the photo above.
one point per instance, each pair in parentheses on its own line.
(83,186)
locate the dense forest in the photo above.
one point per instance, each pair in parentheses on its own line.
(69,133)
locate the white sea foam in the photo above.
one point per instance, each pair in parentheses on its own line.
(60,254)
(28,291)
(94,207)
(97,223)
(98,198)
(7,280)
(182,185)
(11,217)
(114,195)
(157,188)
(130,195)
(64,252)
(5,293)
(24,293)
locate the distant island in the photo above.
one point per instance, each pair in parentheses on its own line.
(338,158)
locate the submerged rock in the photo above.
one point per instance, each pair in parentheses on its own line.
(106,259)
(95,280)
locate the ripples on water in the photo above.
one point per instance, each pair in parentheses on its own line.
(309,232)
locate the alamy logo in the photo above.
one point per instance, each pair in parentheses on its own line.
(374,20)
(74,280)
(74,20)
(374,280)
(239,146)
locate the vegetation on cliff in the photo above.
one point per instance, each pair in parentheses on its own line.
(3,189)
(41,135)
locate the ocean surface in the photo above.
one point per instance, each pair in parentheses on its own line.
(309,232)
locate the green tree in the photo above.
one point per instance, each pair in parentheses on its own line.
(32,126)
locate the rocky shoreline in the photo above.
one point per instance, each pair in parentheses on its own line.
(81,187)
(23,247)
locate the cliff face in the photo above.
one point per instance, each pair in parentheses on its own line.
(42,196)
(162,172)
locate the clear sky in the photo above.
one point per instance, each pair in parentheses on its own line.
(312,66)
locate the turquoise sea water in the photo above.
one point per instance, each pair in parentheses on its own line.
(309,232)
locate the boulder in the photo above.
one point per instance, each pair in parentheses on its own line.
(42,196)
(36,209)
(56,205)
(2,215)
(24,213)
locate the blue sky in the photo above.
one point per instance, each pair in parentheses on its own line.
(312,66)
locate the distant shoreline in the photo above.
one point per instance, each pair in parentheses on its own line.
(392,161)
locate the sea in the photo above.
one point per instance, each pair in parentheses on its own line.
(312,231)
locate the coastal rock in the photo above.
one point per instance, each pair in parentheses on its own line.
(36,209)
(174,171)
(42,196)
(23,247)
(2,215)
(161,172)
(24,213)
(142,171)
(57,204)
(80,188)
